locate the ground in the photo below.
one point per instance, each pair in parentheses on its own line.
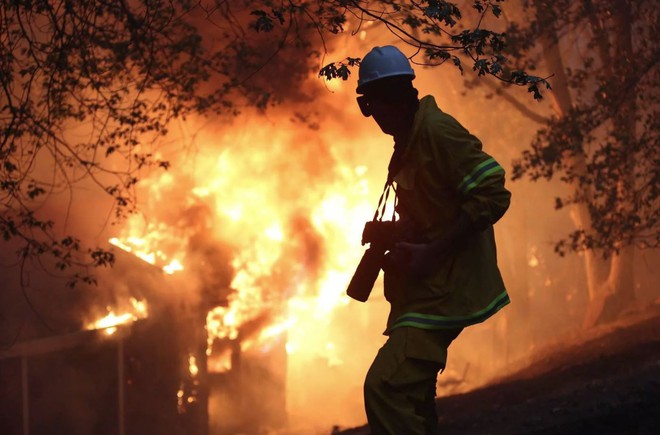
(607,381)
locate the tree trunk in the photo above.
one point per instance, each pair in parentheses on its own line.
(607,297)
(563,103)
(618,293)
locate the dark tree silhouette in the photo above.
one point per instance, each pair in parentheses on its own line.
(89,87)
(602,139)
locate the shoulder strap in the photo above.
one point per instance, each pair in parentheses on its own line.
(393,168)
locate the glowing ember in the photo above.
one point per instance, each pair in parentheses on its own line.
(110,322)
(192,366)
(181,408)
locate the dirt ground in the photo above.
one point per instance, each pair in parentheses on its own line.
(606,382)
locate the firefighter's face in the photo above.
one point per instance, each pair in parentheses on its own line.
(387,112)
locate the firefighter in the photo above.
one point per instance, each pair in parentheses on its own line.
(441,274)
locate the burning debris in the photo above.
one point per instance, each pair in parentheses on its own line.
(110,322)
(136,245)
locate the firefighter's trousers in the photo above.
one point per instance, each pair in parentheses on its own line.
(399,391)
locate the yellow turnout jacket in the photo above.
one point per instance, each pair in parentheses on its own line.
(444,171)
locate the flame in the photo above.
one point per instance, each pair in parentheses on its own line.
(110,322)
(174,266)
(268,240)
(139,247)
(290,219)
(277,329)
(221,362)
(192,365)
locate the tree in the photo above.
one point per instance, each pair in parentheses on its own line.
(602,139)
(435,30)
(116,71)
(90,87)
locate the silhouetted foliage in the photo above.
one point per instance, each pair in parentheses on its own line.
(435,30)
(89,87)
(605,145)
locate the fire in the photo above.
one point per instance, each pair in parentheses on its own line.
(139,247)
(221,362)
(192,365)
(110,322)
(174,266)
(251,212)
(221,323)
(287,210)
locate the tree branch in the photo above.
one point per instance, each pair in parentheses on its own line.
(520,107)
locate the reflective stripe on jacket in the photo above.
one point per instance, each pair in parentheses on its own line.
(444,171)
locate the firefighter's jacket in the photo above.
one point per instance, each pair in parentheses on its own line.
(444,170)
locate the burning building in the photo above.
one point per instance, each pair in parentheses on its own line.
(142,368)
(252,261)
(114,376)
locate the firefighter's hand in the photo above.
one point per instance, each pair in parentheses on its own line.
(418,259)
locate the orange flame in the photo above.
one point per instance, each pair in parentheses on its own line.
(268,243)
(289,216)
(139,247)
(110,322)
